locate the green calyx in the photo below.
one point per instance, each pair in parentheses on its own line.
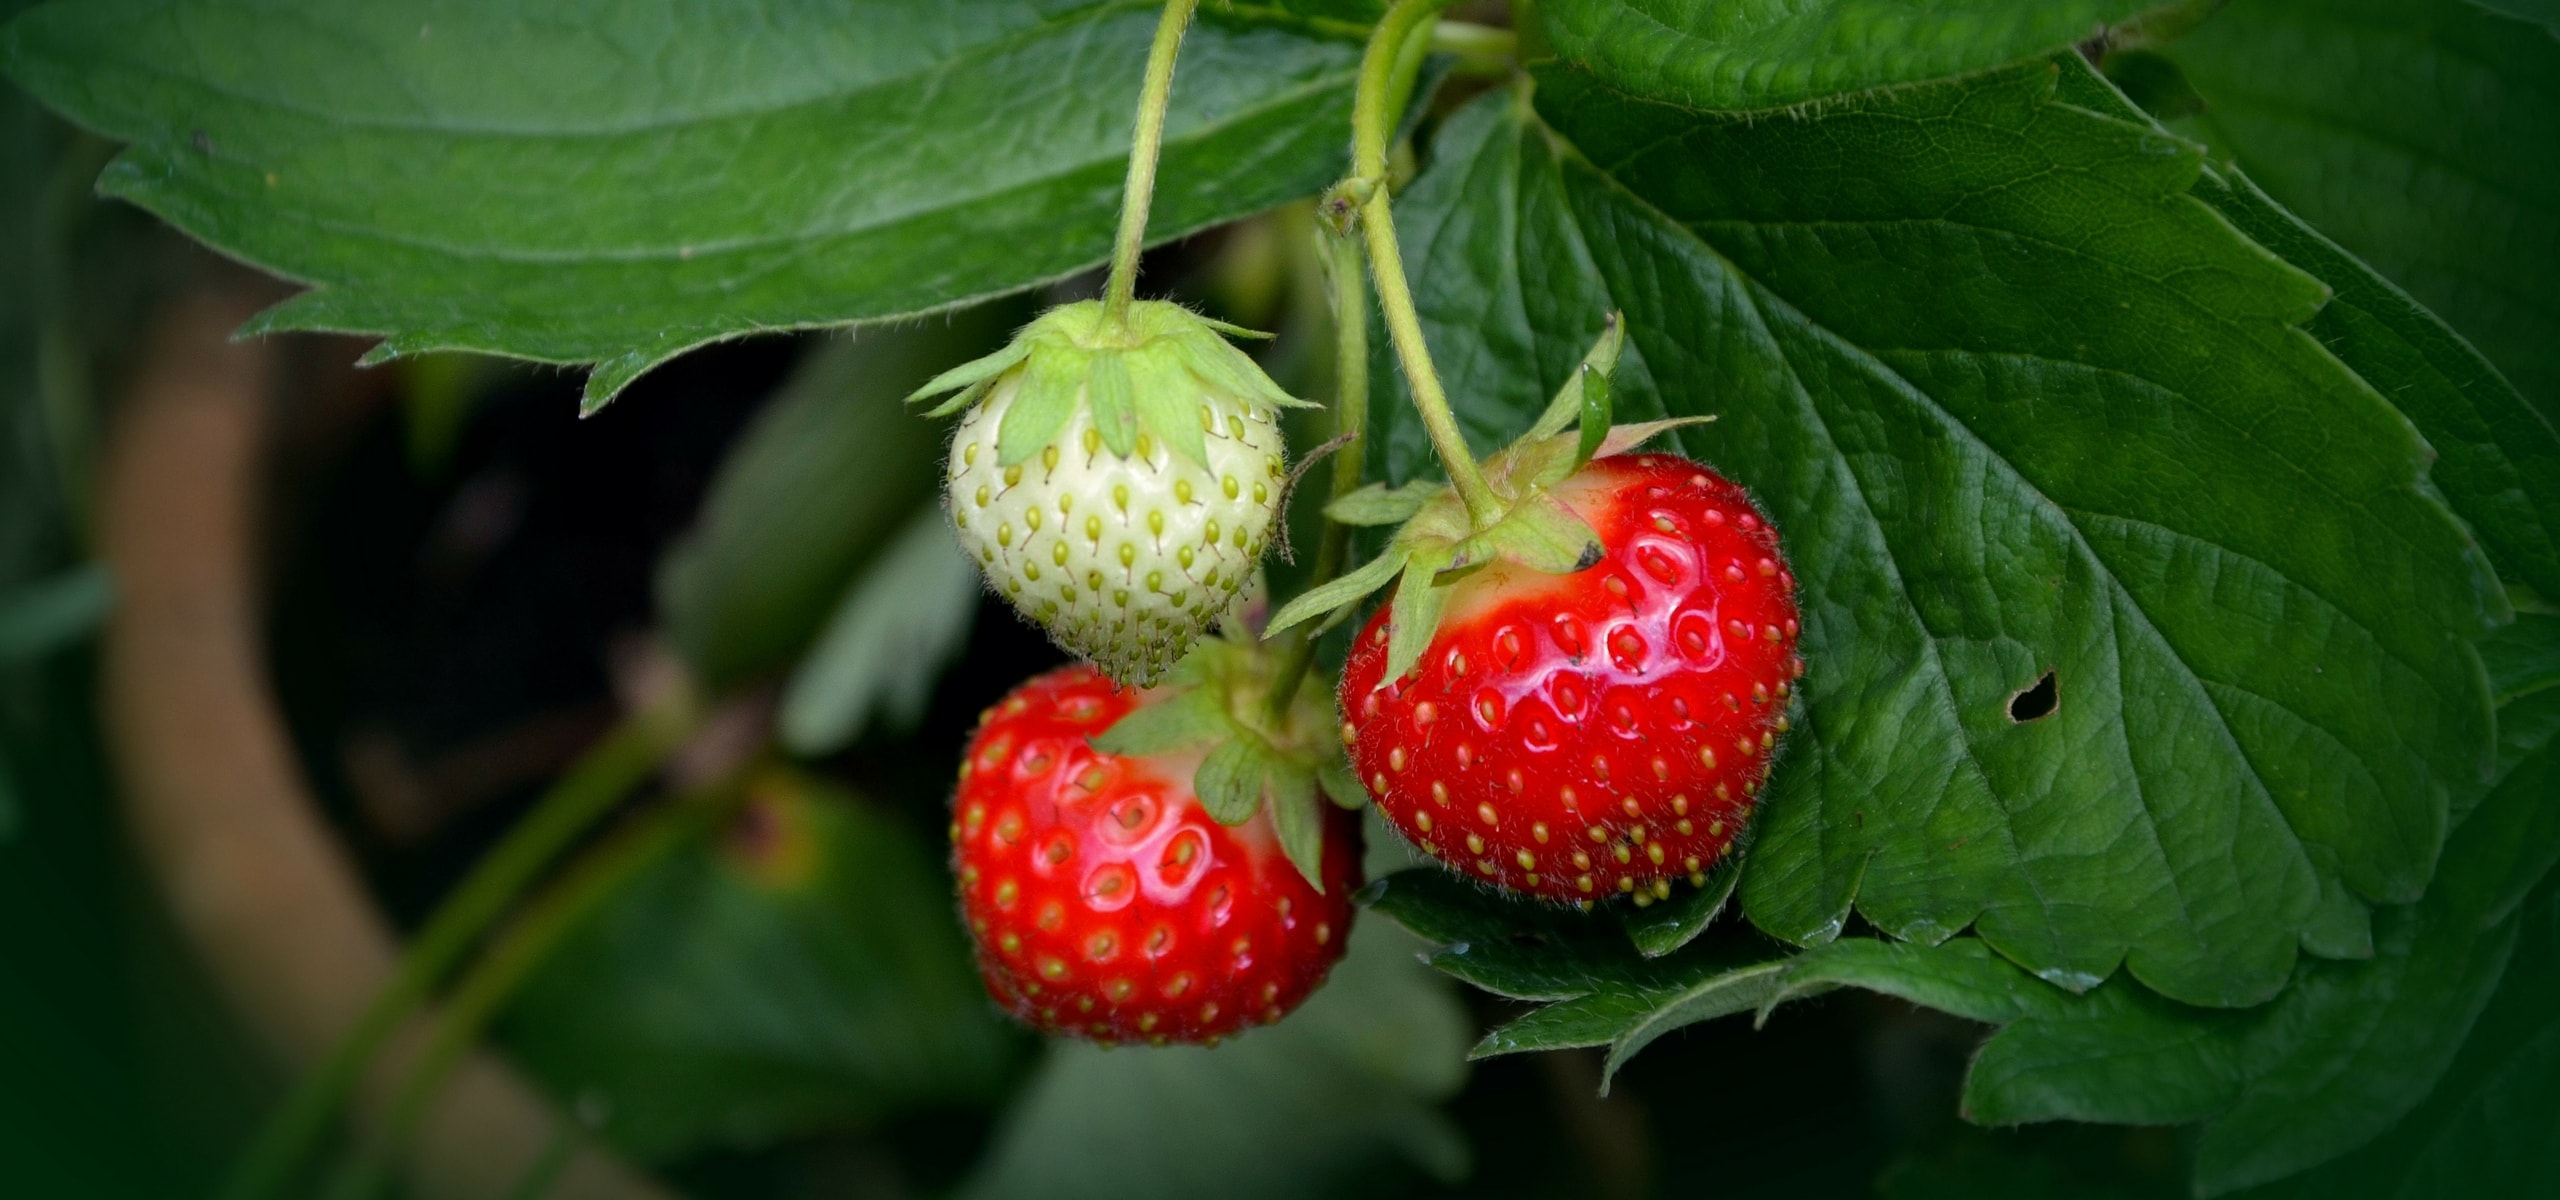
(1217,699)
(1156,371)
(1440,542)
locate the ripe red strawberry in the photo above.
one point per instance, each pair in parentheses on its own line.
(1104,900)
(1580,735)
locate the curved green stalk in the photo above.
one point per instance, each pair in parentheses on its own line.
(1144,147)
(493,980)
(600,779)
(1373,116)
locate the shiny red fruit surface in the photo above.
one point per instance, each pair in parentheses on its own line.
(1107,904)
(1606,732)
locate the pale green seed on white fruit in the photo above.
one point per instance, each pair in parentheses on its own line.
(1125,561)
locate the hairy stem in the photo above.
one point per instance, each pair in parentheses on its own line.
(1351,423)
(1373,116)
(1147,143)
(600,779)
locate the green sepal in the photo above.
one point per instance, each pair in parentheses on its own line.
(1341,783)
(1341,593)
(1168,404)
(1568,405)
(1628,437)
(1414,615)
(974,371)
(1188,721)
(1378,504)
(1115,407)
(1232,330)
(1539,533)
(961,399)
(1229,781)
(1297,816)
(1595,416)
(1051,383)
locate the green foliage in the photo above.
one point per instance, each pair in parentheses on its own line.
(1304,1107)
(900,623)
(819,484)
(620,184)
(2417,133)
(780,980)
(2022,408)
(41,617)
(1758,54)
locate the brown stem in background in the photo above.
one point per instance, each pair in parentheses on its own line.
(218,808)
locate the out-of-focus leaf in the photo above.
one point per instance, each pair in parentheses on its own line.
(2417,133)
(622,182)
(899,624)
(802,973)
(47,615)
(2491,1126)
(2020,403)
(821,481)
(1758,54)
(1300,1108)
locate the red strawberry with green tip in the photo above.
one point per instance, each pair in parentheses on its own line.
(1107,903)
(1577,736)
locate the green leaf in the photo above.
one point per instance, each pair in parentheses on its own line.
(2020,403)
(1311,1106)
(1377,504)
(1673,923)
(2498,458)
(2417,134)
(1229,781)
(2488,1126)
(900,623)
(1189,721)
(2347,1050)
(41,617)
(826,476)
(776,982)
(1348,589)
(1759,54)
(1598,986)
(637,180)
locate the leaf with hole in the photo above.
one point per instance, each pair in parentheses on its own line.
(2019,403)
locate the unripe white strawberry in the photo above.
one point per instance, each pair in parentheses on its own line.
(1116,480)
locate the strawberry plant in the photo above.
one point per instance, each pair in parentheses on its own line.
(1896,597)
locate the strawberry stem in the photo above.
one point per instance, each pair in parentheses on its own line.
(1350,423)
(1373,116)
(1144,146)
